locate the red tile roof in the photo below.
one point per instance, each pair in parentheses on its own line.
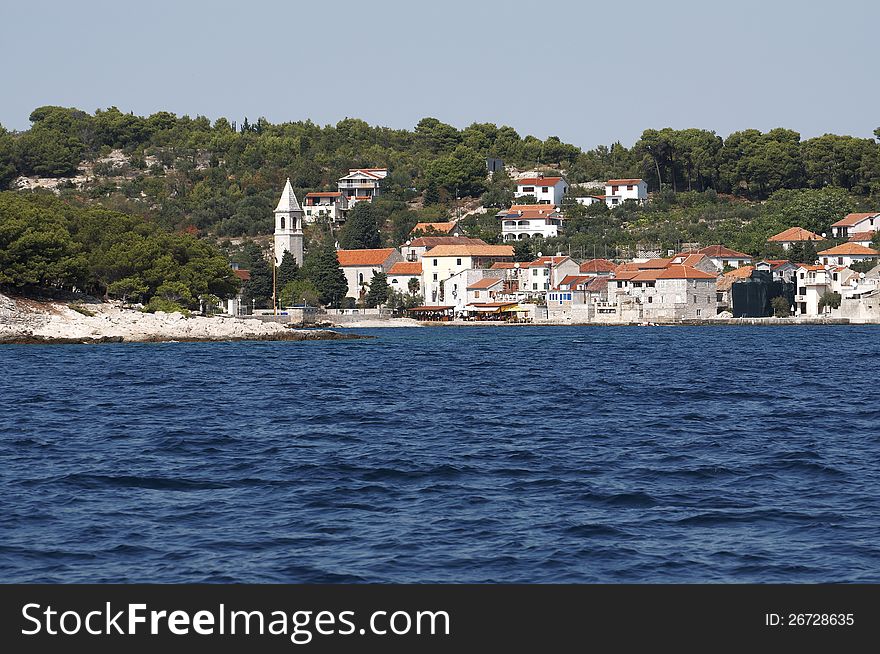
(471,250)
(853,219)
(619,182)
(862,236)
(324,194)
(406,268)
(486,282)
(437,227)
(242,274)
(794,234)
(684,272)
(598,266)
(364,257)
(538,181)
(721,252)
(542,262)
(850,249)
(503,265)
(431,241)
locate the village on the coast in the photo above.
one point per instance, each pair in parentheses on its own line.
(461,279)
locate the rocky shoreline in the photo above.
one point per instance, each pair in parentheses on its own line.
(37,321)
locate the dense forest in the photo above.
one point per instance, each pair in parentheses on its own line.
(220,179)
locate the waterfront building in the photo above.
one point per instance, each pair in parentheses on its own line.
(288,226)
(414,250)
(669,293)
(402,272)
(360,265)
(544,273)
(443,261)
(813,281)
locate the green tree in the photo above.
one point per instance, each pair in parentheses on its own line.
(378,293)
(128,289)
(462,172)
(361,229)
(432,194)
(258,288)
(322,269)
(288,270)
(830,299)
(294,293)
(780,307)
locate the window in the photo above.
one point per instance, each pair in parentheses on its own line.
(719,297)
(802,275)
(435,262)
(650,299)
(528,189)
(802,291)
(839,261)
(282,222)
(534,287)
(568,296)
(699,312)
(394,281)
(476,294)
(458,262)
(360,278)
(435,277)
(629,187)
(544,189)
(546,271)
(695,299)
(613,190)
(834,277)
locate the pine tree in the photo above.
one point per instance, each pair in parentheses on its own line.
(361,229)
(432,194)
(288,271)
(259,287)
(323,270)
(378,293)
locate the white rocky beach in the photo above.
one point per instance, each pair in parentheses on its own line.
(24,320)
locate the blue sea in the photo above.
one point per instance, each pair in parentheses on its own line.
(533,454)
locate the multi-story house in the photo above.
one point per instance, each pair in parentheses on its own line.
(618,191)
(545,273)
(415,249)
(401,274)
(793,235)
(442,262)
(813,281)
(330,205)
(524,221)
(361,184)
(847,254)
(855,222)
(671,293)
(546,190)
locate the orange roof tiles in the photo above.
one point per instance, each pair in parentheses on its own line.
(437,227)
(242,274)
(597,266)
(541,262)
(431,241)
(684,272)
(486,282)
(851,219)
(851,249)
(794,234)
(375,257)
(862,236)
(721,252)
(471,250)
(619,182)
(538,181)
(324,194)
(406,268)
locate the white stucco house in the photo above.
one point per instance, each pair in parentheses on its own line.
(524,221)
(442,262)
(724,257)
(847,254)
(813,281)
(330,205)
(402,273)
(618,191)
(855,222)
(547,190)
(792,235)
(361,184)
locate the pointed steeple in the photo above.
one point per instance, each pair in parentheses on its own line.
(288,201)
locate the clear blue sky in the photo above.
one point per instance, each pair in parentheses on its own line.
(585,71)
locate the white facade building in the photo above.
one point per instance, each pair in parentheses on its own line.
(813,281)
(856,222)
(618,191)
(359,266)
(361,184)
(442,262)
(524,221)
(847,254)
(547,190)
(288,226)
(330,205)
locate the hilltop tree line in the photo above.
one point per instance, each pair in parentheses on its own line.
(223,177)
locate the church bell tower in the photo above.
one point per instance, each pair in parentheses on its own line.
(288,226)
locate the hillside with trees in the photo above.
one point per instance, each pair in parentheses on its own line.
(220,179)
